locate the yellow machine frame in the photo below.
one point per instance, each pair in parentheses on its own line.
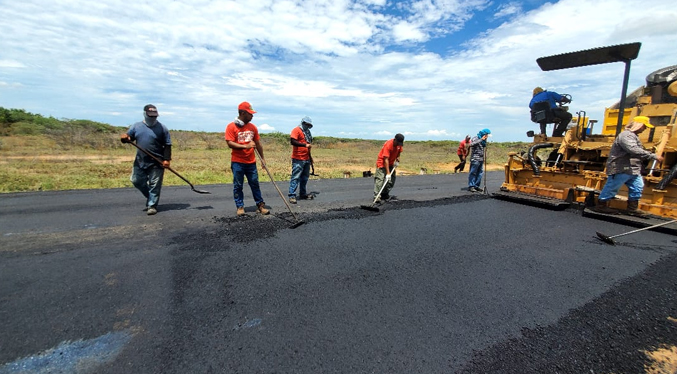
(577,174)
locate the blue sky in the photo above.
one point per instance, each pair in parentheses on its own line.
(432,70)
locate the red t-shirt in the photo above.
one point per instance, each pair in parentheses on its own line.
(242,135)
(462,150)
(299,153)
(389,150)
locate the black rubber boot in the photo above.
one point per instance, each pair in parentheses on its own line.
(633,209)
(603,207)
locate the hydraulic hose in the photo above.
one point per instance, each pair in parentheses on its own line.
(530,156)
(667,178)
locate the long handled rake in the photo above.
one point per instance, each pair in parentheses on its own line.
(170,169)
(610,239)
(372,206)
(270,175)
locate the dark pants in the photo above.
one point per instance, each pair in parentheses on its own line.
(475,174)
(380,179)
(300,173)
(240,171)
(460,166)
(149,182)
(561,127)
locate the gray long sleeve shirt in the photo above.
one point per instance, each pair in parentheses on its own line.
(626,155)
(477,149)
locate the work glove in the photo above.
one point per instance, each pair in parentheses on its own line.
(396,163)
(125,138)
(388,177)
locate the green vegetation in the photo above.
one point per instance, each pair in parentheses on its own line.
(39,153)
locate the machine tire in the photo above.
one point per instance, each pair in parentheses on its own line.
(665,75)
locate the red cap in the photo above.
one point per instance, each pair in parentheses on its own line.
(246,107)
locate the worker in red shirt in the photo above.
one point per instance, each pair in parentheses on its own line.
(301,159)
(388,158)
(462,153)
(242,137)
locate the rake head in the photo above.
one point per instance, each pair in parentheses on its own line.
(370,208)
(605,238)
(297,224)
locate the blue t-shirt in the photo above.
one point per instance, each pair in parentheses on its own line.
(552,97)
(151,138)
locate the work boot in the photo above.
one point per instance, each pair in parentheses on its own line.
(151,210)
(262,209)
(240,211)
(633,209)
(307,197)
(603,207)
(292,199)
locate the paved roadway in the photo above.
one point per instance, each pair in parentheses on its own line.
(440,281)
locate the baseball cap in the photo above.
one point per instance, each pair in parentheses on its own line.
(307,120)
(151,110)
(643,120)
(246,107)
(399,138)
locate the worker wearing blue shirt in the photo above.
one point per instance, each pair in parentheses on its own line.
(553,98)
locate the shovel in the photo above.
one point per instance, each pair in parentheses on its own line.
(170,169)
(610,240)
(298,222)
(372,207)
(312,170)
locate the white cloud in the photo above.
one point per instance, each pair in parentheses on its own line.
(266,127)
(9,85)
(358,68)
(508,9)
(438,133)
(406,31)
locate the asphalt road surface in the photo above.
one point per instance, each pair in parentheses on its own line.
(440,280)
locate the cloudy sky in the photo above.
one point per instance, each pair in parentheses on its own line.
(430,69)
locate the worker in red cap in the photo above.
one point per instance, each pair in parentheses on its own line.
(242,137)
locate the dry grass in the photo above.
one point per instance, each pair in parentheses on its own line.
(39,163)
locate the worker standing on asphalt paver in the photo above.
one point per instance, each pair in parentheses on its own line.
(242,137)
(388,157)
(147,174)
(624,167)
(477,145)
(462,153)
(301,160)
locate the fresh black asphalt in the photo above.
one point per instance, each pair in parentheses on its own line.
(439,281)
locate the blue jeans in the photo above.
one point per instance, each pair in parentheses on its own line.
(300,173)
(149,182)
(240,171)
(614,182)
(475,174)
